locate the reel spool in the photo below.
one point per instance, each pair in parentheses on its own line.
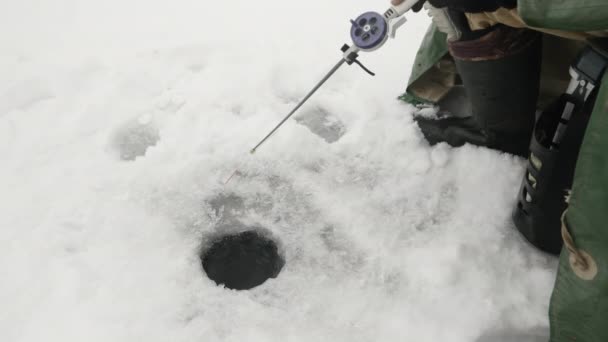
(369,31)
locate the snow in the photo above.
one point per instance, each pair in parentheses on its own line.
(120,122)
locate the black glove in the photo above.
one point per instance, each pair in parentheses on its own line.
(418,6)
(473,6)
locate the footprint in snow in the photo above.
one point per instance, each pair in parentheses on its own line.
(323,124)
(134,139)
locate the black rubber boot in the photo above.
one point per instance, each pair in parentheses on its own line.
(549,175)
(554,151)
(454,131)
(501,74)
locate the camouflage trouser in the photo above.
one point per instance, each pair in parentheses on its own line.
(512,18)
(560,50)
(435,82)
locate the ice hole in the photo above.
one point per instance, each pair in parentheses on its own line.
(242,261)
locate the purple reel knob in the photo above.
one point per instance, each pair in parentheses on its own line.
(369,30)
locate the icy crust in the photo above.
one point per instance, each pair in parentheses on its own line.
(384,237)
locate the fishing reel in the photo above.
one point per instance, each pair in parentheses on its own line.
(371,30)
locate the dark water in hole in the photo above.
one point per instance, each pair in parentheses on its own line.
(242,261)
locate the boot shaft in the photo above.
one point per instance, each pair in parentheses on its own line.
(501,74)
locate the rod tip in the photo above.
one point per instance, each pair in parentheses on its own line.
(252,151)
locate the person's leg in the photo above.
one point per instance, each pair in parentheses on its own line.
(501,73)
(579,305)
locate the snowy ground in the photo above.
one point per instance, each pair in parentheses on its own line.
(385,238)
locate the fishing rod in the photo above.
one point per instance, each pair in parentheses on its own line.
(369,32)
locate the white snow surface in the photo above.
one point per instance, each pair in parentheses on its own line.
(385,238)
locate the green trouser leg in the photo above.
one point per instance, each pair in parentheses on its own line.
(579,305)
